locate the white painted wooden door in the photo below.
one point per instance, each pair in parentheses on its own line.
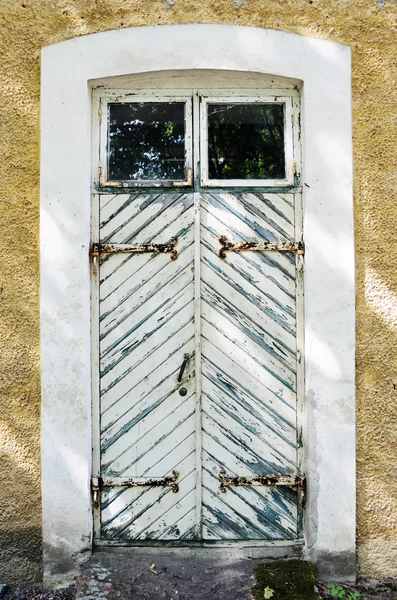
(146,328)
(199,364)
(249,363)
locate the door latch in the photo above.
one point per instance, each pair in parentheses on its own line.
(186,358)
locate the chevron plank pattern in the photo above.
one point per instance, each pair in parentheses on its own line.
(249,366)
(146,326)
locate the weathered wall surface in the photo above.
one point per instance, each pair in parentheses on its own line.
(369,27)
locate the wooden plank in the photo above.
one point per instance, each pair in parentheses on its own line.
(166,371)
(245,384)
(263,278)
(231,332)
(121,343)
(165,336)
(138,319)
(247,421)
(127,282)
(139,217)
(240,301)
(140,515)
(154,353)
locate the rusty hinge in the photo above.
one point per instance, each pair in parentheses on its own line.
(170,481)
(95,491)
(267,480)
(168,248)
(298,247)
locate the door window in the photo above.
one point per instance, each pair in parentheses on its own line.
(246,142)
(146,143)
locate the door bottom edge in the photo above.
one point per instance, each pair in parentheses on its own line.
(239,549)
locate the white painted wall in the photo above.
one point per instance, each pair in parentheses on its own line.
(324,69)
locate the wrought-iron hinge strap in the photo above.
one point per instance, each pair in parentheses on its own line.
(168,248)
(137,482)
(298,247)
(266,480)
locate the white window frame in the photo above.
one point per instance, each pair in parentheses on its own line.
(69,70)
(288,141)
(122,98)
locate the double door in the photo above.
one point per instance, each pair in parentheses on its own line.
(198,298)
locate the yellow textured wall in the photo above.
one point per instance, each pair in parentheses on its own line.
(369,27)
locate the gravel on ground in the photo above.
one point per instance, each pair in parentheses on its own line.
(19,593)
(369,589)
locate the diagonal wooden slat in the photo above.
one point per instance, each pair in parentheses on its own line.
(243,312)
(164,338)
(175,219)
(139,371)
(139,287)
(242,275)
(164,376)
(137,217)
(121,344)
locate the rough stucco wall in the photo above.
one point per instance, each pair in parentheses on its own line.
(369,27)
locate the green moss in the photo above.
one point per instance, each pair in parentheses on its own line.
(289,580)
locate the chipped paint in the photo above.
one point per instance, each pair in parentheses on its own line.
(239,320)
(146,332)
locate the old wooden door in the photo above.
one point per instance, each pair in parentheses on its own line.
(198,293)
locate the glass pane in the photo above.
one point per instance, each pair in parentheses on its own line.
(146,141)
(246,141)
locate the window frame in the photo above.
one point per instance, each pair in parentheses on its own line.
(106,98)
(290,148)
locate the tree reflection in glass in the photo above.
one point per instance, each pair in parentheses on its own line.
(246,141)
(146,141)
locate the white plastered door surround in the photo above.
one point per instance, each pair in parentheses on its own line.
(69,70)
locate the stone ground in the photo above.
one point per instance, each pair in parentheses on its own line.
(155,576)
(159,576)
(38,594)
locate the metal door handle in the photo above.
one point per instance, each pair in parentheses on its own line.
(183,366)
